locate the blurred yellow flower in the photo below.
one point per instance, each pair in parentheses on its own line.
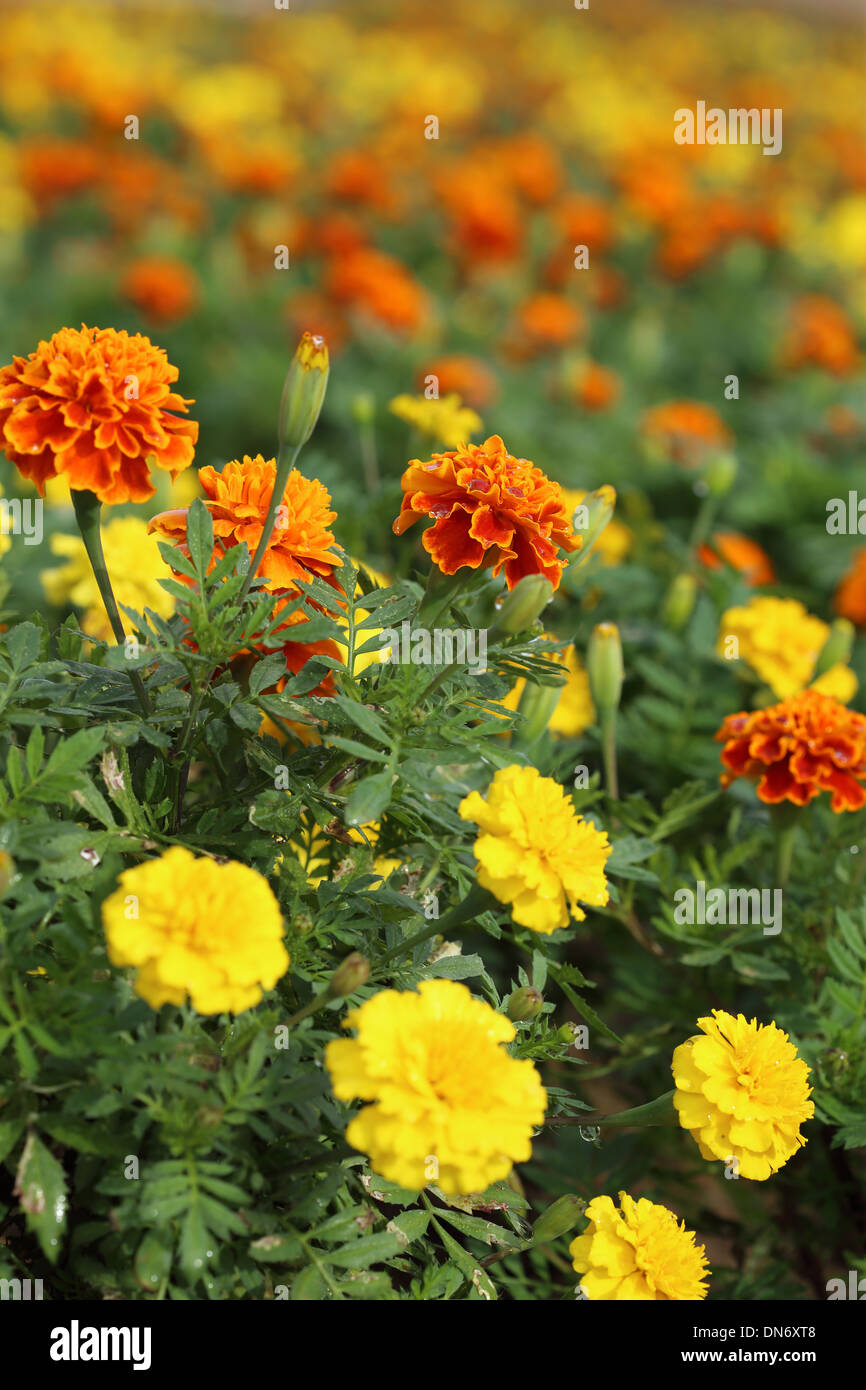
(135,566)
(444,418)
(574,710)
(449,1105)
(534,852)
(743,1093)
(781,641)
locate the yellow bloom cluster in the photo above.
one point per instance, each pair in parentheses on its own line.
(445,419)
(534,851)
(450,1106)
(196,928)
(638,1252)
(135,566)
(782,641)
(743,1092)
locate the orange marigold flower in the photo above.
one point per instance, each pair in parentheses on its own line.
(549,320)
(466,376)
(685,430)
(742,554)
(301,545)
(380,286)
(489,509)
(163,288)
(820,335)
(803,746)
(850,599)
(95,406)
(596,387)
(53,169)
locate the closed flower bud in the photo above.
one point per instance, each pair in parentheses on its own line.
(591,516)
(537,703)
(680,601)
(560,1217)
(720,474)
(7,871)
(304,391)
(604,665)
(363,408)
(837,649)
(520,608)
(525,1004)
(349,975)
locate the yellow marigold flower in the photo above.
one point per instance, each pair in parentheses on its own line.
(534,851)
(638,1251)
(135,566)
(574,709)
(445,418)
(450,1106)
(312,847)
(782,641)
(743,1092)
(5,538)
(196,928)
(615,541)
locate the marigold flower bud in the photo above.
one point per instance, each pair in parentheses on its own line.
(680,601)
(7,871)
(522,606)
(561,1216)
(349,975)
(591,517)
(537,704)
(604,665)
(525,1004)
(837,648)
(721,474)
(304,391)
(364,408)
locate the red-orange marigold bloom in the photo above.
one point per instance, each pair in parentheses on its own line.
(301,545)
(850,599)
(803,746)
(596,387)
(95,406)
(549,320)
(163,288)
(820,335)
(489,509)
(685,429)
(742,554)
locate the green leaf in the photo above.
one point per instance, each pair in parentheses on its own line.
(199,535)
(369,798)
(40,1186)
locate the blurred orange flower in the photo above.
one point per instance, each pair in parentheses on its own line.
(742,554)
(468,377)
(684,430)
(53,168)
(489,509)
(547,321)
(301,546)
(95,405)
(378,285)
(819,335)
(850,599)
(596,387)
(163,288)
(803,746)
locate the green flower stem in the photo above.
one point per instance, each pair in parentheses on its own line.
(88,510)
(608,750)
(660,1111)
(785,836)
(476,901)
(286,460)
